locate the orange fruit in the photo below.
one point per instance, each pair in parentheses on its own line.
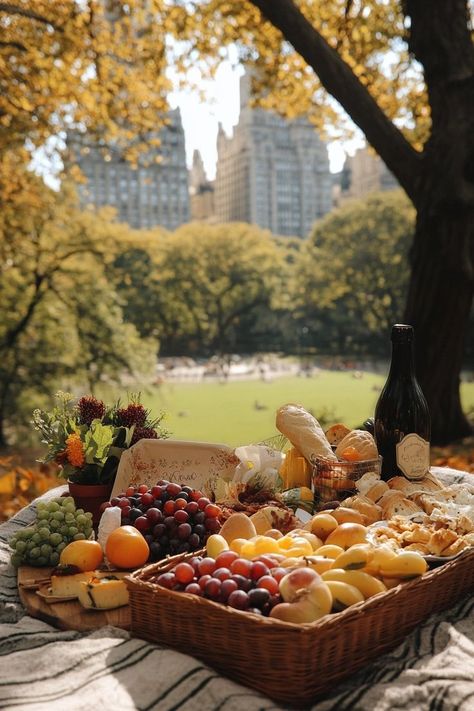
(86,555)
(350,454)
(126,548)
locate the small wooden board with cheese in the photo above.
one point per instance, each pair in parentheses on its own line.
(65,614)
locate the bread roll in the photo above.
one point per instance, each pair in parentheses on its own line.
(361,441)
(336,433)
(304,432)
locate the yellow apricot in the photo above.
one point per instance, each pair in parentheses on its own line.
(237,543)
(330,551)
(352,559)
(367,584)
(407,564)
(216,544)
(343,595)
(322,525)
(265,544)
(248,550)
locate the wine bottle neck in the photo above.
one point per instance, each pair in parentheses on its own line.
(403,361)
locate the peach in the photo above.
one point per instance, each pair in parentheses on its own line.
(298,612)
(306,597)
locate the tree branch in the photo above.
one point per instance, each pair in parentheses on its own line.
(340,81)
(14,45)
(24,12)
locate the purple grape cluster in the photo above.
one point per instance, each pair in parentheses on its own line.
(172,518)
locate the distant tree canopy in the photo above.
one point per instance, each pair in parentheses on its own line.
(60,320)
(353,274)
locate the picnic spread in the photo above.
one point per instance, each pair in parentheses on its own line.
(290,573)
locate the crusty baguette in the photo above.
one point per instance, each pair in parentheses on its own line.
(304,432)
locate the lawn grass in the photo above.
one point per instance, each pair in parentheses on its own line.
(226,412)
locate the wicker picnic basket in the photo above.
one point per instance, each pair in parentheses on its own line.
(290,663)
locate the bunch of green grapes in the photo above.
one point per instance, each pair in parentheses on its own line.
(58,522)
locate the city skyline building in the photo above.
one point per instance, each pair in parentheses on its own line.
(364,173)
(154,193)
(201,191)
(271,172)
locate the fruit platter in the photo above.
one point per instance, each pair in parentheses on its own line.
(313,585)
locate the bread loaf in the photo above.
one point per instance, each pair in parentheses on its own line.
(376,492)
(304,432)
(397,506)
(364,506)
(361,441)
(407,487)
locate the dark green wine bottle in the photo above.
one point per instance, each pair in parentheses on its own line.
(402,419)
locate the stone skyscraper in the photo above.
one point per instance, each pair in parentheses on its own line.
(201,190)
(364,173)
(271,172)
(154,193)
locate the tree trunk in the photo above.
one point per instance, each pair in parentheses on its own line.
(3,437)
(442,278)
(438,306)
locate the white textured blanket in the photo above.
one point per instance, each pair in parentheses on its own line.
(43,668)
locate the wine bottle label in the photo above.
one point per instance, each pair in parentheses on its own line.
(413,456)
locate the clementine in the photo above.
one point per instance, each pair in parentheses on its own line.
(126,548)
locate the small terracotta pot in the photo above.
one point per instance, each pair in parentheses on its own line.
(90,497)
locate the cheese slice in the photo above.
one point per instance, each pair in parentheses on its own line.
(70,585)
(103,593)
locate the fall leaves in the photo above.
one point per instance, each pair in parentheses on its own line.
(19,485)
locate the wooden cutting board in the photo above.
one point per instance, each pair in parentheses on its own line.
(68,615)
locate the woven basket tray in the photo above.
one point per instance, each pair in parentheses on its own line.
(290,663)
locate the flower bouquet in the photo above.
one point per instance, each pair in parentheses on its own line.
(86,438)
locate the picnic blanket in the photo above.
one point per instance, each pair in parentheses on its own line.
(44,668)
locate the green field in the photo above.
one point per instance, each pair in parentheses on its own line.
(226,413)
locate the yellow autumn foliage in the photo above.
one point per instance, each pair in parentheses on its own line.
(19,485)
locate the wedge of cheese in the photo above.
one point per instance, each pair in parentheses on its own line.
(67,583)
(104,593)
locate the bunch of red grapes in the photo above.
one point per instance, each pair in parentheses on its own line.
(172,518)
(251,585)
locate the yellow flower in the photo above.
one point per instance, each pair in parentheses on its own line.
(75,450)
